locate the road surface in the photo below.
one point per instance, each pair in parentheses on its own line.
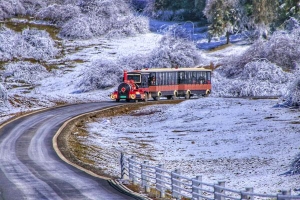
(30,168)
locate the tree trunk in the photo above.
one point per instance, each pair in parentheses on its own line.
(227,37)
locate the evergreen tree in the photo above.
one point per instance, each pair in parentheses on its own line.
(264,11)
(224,16)
(288,8)
(192,9)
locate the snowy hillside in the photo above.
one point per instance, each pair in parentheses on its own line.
(247,143)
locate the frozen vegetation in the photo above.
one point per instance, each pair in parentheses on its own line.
(30,43)
(96,76)
(112,18)
(96,40)
(24,72)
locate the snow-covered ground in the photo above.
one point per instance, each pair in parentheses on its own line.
(247,143)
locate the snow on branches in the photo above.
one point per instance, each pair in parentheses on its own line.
(267,68)
(282,49)
(113,18)
(58,14)
(101,74)
(257,78)
(24,72)
(33,6)
(9,8)
(292,97)
(77,28)
(31,43)
(175,50)
(41,45)
(3,96)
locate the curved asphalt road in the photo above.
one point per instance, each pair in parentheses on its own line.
(30,168)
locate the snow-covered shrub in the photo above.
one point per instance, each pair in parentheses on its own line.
(3,95)
(129,26)
(113,18)
(101,74)
(292,98)
(295,166)
(24,72)
(9,8)
(282,49)
(263,71)
(7,38)
(149,9)
(31,43)
(58,14)
(116,18)
(107,8)
(291,24)
(76,28)
(258,78)
(175,51)
(33,6)
(138,61)
(42,46)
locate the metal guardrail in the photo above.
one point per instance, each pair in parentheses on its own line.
(177,186)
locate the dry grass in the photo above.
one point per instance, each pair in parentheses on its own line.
(20,26)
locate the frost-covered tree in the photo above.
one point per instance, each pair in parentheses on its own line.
(265,69)
(10,8)
(58,14)
(3,96)
(224,16)
(41,45)
(33,6)
(137,61)
(281,49)
(77,28)
(175,50)
(101,74)
(264,11)
(177,10)
(139,5)
(257,78)
(24,72)
(31,43)
(292,98)
(112,18)
(263,16)
(295,166)
(287,9)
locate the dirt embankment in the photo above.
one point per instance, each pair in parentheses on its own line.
(70,137)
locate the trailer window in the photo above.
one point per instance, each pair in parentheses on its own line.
(152,78)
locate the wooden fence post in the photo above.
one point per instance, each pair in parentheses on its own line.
(145,179)
(195,185)
(123,167)
(132,175)
(284,192)
(159,183)
(218,190)
(175,182)
(246,196)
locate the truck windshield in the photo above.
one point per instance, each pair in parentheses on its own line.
(135,77)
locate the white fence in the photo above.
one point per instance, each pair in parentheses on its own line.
(175,185)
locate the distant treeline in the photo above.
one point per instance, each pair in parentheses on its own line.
(227,16)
